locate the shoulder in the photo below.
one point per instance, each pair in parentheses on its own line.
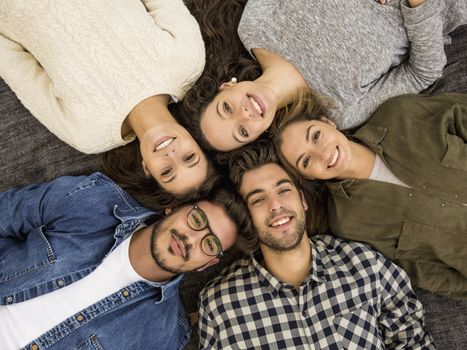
(231,280)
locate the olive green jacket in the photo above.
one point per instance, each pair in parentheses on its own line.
(423,141)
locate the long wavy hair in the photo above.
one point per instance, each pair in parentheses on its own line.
(226,57)
(307,106)
(124,166)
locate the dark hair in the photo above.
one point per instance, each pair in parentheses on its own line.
(226,57)
(124,166)
(237,211)
(308,106)
(253,156)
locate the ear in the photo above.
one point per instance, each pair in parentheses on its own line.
(209,263)
(167,211)
(304,203)
(145,169)
(224,86)
(327,121)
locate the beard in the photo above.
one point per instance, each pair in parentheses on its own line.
(161,255)
(156,251)
(287,240)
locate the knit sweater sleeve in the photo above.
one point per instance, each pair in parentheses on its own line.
(173,17)
(425,62)
(32,86)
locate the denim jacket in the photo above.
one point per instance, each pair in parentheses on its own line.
(54,234)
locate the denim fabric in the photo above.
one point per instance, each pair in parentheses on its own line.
(54,234)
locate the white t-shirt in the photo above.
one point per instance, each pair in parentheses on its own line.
(23,322)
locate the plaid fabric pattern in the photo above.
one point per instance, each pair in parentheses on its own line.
(354,298)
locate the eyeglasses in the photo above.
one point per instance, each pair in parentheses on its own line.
(198,221)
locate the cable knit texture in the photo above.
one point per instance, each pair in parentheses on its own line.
(81,66)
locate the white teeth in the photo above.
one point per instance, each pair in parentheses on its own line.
(165,144)
(256,105)
(334,158)
(280,222)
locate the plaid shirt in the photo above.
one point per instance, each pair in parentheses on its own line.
(354,298)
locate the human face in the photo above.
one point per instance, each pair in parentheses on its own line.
(276,207)
(316,149)
(238,115)
(173,158)
(186,242)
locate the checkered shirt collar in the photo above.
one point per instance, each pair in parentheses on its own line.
(266,279)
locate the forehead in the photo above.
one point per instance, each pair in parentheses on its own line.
(263,178)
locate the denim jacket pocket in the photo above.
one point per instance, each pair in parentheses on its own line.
(358,328)
(456,154)
(430,244)
(92,343)
(37,250)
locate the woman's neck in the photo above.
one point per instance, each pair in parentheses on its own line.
(280,76)
(148,113)
(362,162)
(291,266)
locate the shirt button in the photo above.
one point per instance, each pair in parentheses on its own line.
(34,347)
(60,282)
(456,196)
(79,318)
(9,299)
(443,204)
(125,293)
(410,194)
(424,187)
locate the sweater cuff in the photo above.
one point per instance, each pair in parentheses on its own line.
(421,13)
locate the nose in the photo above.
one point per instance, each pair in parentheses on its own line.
(275,204)
(169,152)
(245,113)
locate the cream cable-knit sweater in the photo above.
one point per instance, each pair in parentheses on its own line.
(80,66)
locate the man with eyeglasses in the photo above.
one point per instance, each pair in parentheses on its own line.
(82,266)
(300,292)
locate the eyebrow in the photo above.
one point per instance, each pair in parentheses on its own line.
(260,190)
(307,137)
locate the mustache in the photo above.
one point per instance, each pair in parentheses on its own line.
(184,240)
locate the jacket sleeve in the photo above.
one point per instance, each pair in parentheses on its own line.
(439,279)
(31,84)
(402,315)
(424,65)
(22,210)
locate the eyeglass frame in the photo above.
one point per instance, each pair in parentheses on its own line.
(210,233)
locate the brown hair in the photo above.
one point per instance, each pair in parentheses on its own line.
(124,166)
(308,106)
(237,211)
(226,57)
(257,154)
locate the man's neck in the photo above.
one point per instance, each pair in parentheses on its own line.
(141,258)
(148,113)
(291,266)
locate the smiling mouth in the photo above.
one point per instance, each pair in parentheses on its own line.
(163,143)
(334,158)
(256,105)
(281,222)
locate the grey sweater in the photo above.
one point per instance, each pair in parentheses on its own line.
(358,53)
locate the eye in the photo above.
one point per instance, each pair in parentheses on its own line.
(284,190)
(257,201)
(306,162)
(166,172)
(243,132)
(210,245)
(316,136)
(189,158)
(227,107)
